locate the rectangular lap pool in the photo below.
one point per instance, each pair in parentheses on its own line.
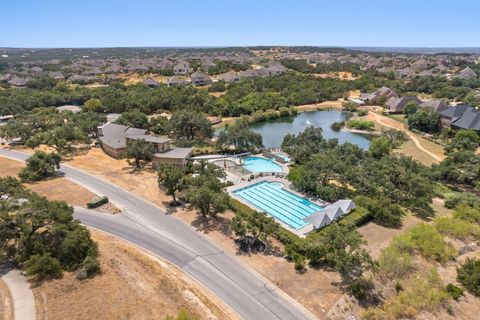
(273,199)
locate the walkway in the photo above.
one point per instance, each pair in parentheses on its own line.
(22,294)
(411,135)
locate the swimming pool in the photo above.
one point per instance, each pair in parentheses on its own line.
(273,199)
(257,164)
(284,157)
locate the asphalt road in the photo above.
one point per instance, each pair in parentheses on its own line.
(247,293)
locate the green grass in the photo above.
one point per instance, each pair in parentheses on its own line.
(398,117)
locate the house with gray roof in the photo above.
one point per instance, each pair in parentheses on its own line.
(175,81)
(396,105)
(114,139)
(434,105)
(200,78)
(229,76)
(461,117)
(181,68)
(466,73)
(382,93)
(151,83)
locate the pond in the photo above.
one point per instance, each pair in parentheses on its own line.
(273,131)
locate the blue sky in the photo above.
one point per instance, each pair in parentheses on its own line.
(107,23)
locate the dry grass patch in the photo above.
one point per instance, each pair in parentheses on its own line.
(132,285)
(6,305)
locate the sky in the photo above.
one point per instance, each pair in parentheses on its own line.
(160,23)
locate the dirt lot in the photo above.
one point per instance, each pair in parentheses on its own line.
(132,285)
(54,188)
(6,304)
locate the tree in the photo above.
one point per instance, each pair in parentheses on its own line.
(382,210)
(41,234)
(240,136)
(425,121)
(94,105)
(40,165)
(172,179)
(464,140)
(160,125)
(133,118)
(379,146)
(349,106)
(191,125)
(59,138)
(207,201)
(468,274)
(410,108)
(255,224)
(306,143)
(139,149)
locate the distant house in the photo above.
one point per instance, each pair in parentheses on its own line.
(466,73)
(57,75)
(74,109)
(274,68)
(200,78)
(434,105)
(396,105)
(382,93)
(175,81)
(18,82)
(229,77)
(181,68)
(461,117)
(114,139)
(151,83)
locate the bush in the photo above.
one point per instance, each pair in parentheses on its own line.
(91,265)
(40,165)
(425,239)
(457,228)
(360,124)
(467,198)
(468,274)
(394,263)
(467,213)
(362,112)
(398,286)
(454,291)
(43,266)
(337,126)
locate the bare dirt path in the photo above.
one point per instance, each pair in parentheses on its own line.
(384,121)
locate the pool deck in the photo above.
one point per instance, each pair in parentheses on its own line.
(287,185)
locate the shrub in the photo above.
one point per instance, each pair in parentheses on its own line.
(457,228)
(425,239)
(394,263)
(43,266)
(467,213)
(337,126)
(362,112)
(468,274)
(398,286)
(454,291)
(360,124)
(467,198)
(91,265)
(40,165)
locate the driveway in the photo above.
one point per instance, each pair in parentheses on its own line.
(248,293)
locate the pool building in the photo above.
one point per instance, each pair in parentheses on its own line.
(291,210)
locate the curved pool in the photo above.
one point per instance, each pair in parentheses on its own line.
(257,165)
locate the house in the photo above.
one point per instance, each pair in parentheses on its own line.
(274,68)
(434,105)
(151,83)
(181,68)
(114,139)
(396,105)
(229,77)
(461,117)
(18,82)
(377,96)
(175,81)
(74,109)
(466,73)
(200,78)
(452,114)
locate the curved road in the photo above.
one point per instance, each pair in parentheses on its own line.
(248,294)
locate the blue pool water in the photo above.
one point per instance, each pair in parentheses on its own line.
(271,198)
(257,164)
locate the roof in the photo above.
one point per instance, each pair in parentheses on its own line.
(455,112)
(74,109)
(199,76)
(398,104)
(149,138)
(176,80)
(333,212)
(470,119)
(467,73)
(434,105)
(318,219)
(176,153)
(346,205)
(150,82)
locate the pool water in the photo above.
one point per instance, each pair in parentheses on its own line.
(257,165)
(273,199)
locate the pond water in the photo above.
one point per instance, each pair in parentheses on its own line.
(273,131)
